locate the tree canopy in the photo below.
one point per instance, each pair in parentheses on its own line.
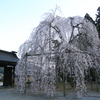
(74,40)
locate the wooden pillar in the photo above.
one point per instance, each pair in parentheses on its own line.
(96,79)
(64,90)
(90,79)
(25,71)
(13,75)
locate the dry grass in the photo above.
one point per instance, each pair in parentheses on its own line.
(60,87)
(93,87)
(68,87)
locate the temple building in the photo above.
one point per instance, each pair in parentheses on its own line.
(8,61)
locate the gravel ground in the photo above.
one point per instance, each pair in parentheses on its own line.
(11,94)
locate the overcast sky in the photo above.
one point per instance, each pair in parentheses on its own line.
(19,17)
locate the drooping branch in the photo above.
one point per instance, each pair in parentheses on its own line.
(58,46)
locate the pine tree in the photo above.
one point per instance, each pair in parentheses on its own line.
(97,22)
(87,16)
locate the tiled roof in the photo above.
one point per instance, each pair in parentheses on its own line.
(8,56)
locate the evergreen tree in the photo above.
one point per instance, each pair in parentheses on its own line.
(87,16)
(97,22)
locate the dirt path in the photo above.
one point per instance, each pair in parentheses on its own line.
(10,94)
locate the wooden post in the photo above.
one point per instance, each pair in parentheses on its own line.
(25,71)
(56,70)
(90,79)
(13,76)
(96,80)
(64,90)
(56,77)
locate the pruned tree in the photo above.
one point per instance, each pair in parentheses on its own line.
(69,44)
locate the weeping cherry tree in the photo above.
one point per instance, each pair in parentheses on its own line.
(58,43)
